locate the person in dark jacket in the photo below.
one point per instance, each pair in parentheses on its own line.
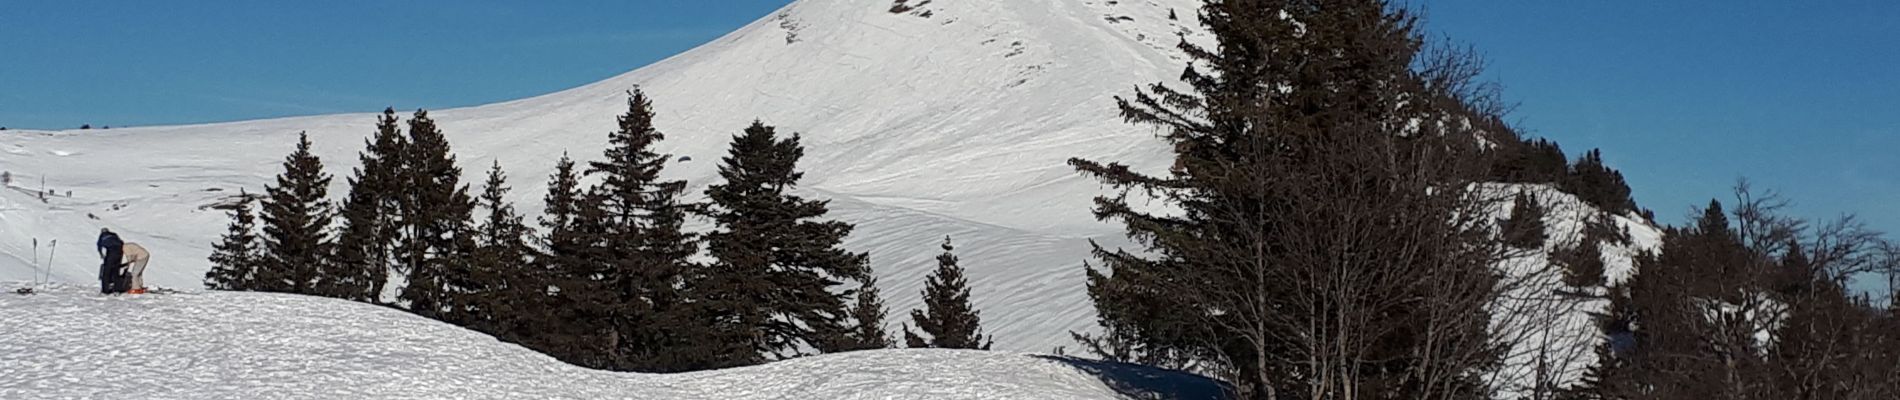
(112,250)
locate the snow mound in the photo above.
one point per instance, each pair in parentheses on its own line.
(67,342)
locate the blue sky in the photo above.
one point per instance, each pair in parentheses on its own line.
(1686,97)
(124,62)
(1800,97)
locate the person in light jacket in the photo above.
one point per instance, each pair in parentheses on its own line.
(135,259)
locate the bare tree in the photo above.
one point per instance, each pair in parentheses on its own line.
(1757,307)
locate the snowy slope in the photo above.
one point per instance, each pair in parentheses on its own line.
(68,343)
(917,127)
(952,119)
(1547,323)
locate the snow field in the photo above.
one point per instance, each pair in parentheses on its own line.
(69,342)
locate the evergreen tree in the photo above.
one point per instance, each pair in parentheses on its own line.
(776,266)
(1547,162)
(1696,316)
(296,222)
(647,250)
(507,286)
(557,218)
(364,247)
(1531,161)
(1582,264)
(947,316)
(433,216)
(1598,184)
(1319,176)
(1752,307)
(866,331)
(1525,228)
(236,258)
(1829,348)
(571,325)
(1609,378)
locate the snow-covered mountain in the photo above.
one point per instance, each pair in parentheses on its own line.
(69,343)
(954,118)
(951,119)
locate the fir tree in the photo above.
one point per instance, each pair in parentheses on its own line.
(434,217)
(647,249)
(296,222)
(866,331)
(1691,305)
(776,265)
(1318,176)
(1609,377)
(947,315)
(588,289)
(1525,228)
(364,246)
(1598,184)
(1582,264)
(507,286)
(236,258)
(1531,161)
(1828,347)
(570,325)
(559,203)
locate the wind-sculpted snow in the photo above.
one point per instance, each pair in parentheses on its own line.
(67,342)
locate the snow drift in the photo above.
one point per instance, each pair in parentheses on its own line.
(70,343)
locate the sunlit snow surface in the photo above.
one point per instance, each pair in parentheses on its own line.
(915,127)
(68,342)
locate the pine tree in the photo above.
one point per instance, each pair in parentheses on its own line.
(296,222)
(1525,228)
(1822,348)
(563,192)
(434,216)
(1318,176)
(575,314)
(1582,264)
(776,266)
(1598,184)
(1530,161)
(507,287)
(236,258)
(947,315)
(1608,378)
(866,331)
(1696,315)
(647,253)
(363,251)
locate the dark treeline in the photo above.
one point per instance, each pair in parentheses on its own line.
(1747,303)
(1321,239)
(607,277)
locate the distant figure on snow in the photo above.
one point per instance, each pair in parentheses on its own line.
(112,259)
(135,258)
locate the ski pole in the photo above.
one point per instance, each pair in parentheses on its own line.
(36,260)
(50,251)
